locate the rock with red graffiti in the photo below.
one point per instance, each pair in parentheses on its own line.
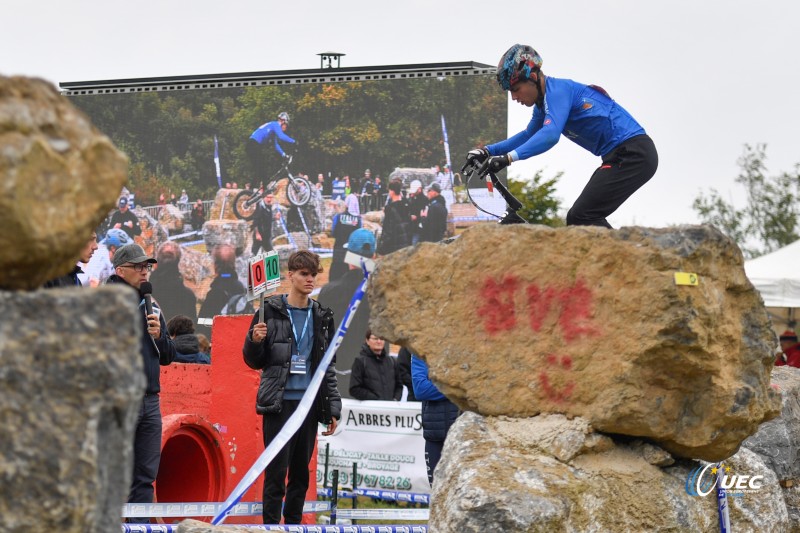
(522,320)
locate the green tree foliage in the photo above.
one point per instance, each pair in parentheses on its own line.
(342,128)
(769,221)
(539,205)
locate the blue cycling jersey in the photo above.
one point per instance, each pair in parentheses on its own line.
(582,113)
(271,130)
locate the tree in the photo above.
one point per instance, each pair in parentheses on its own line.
(539,205)
(770,219)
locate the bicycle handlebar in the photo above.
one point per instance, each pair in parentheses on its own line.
(481,171)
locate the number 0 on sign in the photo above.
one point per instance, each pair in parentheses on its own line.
(257,276)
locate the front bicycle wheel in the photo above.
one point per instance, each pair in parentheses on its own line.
(298,191)
(244,204)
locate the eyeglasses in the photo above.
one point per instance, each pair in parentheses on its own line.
(140,267)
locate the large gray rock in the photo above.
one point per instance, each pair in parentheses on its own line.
(59,176)
(503,474)
(778,440)
(72,379)
(521,320)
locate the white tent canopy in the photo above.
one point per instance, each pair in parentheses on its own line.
(777,276)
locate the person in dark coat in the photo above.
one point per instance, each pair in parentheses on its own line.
(396,228)
(132,267)
(288,347)
(434,219)
(225,286)
(337,295)
(187,345)
(71,279)
(262,225)
(342,225)
(438,414)
(175,297)
(404,369)
(374,374)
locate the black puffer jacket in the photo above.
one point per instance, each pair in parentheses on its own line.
(273,355)
(375,378)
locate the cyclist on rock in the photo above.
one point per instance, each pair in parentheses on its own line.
(585,114)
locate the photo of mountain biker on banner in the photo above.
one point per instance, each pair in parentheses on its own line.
(298,189)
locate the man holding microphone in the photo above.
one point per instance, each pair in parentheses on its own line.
(132,267)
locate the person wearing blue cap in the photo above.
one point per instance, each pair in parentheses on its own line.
(337,294)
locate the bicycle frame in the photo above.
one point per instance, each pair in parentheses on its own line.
(512,204)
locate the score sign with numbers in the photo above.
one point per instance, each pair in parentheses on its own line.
(264,274)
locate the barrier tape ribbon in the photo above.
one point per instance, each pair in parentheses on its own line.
(297,418)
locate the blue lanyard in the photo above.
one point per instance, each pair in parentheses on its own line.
(299,338)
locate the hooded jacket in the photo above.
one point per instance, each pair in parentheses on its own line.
(374,377)
(187,347)
(273,356)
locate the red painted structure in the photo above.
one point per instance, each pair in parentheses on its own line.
(212,434)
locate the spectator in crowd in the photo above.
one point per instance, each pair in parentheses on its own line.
(417,204)
(343,224)
(445,180)
(262,225)
(198,216)
(288,347)
(395,233)
(183,201)
(336,295)
(320,185)
(338,189)
(125,220)
(205,345)
(434,217)
(173,295)
(378,193)
(790,350)
(367,186)
(225,286)
(132,267)
(187,345)
(114,239)
(438,414)
(404,369)
(347,186)
(374,374)
(71,279)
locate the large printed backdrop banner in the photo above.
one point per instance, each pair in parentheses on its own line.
(384,439)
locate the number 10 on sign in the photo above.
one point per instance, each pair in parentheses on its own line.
(264,274)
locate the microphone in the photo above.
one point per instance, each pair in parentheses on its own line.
(146,290)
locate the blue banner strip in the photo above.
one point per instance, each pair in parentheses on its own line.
(173,528)
(388,495)
(171,510)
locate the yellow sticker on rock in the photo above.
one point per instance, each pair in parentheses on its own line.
(686,278)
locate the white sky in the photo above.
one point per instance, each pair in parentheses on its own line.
(703,77)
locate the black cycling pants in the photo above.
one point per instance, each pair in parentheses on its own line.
(625,168)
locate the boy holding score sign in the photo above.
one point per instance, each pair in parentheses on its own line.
(287,344)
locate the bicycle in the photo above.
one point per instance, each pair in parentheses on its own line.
(472,169)
(298,191)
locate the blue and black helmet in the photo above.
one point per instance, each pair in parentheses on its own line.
(517,64)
